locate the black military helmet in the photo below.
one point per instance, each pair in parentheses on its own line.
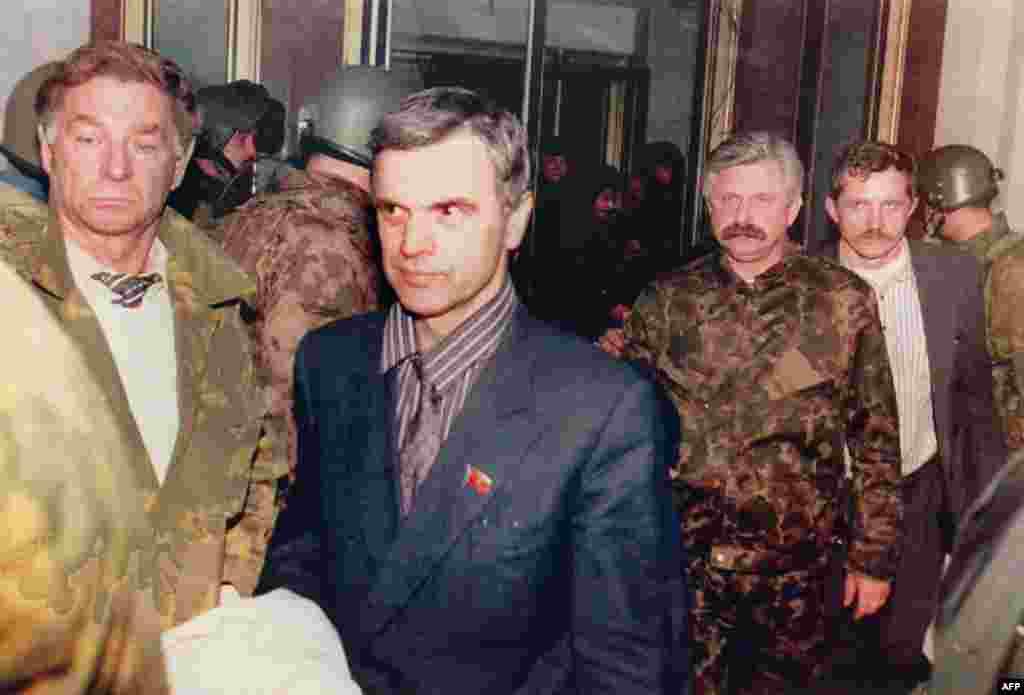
(342,116)
(240,106)
(957,176)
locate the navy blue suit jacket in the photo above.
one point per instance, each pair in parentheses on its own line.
(563,576)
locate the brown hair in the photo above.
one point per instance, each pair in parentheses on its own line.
(127,62)
(861,159)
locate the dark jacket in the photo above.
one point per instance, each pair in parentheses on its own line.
(542,554)
(971,443)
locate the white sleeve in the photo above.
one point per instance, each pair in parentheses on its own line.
(272,644)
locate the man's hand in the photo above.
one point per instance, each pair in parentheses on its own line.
(613,342)
(869,593)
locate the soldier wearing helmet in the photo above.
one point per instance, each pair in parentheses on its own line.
(241,124)
(309,244)
(958,184)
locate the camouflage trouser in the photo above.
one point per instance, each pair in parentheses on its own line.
(756,632)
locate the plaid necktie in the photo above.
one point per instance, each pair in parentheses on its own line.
(128,289)
(422,439)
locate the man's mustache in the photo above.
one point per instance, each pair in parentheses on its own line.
(750,231)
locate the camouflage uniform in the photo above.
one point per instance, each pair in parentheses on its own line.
(70,519)
(771,379)
(214,512)
(311,254)
(1002,254)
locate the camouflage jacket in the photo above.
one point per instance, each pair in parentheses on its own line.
(311,254)
(69,514)
(1002,253)
(214,512)
(771,379)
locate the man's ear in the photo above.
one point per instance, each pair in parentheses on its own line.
(913,205)
(45,151)
(830,208)
(182,164)
(518,221)
(794,209)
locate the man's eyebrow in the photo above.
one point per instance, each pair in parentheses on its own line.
(83,119)
(86,120)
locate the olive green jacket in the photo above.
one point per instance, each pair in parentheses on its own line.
(214,512)
(1001,252)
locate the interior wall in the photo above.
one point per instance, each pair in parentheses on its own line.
(981,99)
(37,31)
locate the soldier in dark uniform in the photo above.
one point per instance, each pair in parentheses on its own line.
(241,123)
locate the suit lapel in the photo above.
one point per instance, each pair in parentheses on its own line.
(479,458)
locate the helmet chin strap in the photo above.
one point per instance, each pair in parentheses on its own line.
(936,220)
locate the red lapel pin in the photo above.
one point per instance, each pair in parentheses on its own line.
(478,480)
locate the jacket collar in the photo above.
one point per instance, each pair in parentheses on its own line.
(988,245)
(727,276)
(214,277)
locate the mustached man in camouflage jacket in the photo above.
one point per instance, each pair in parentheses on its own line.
(776,362)
(170,349)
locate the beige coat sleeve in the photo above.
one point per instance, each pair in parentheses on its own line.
(68,618)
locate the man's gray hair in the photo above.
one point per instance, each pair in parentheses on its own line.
(753,148)
(427,117)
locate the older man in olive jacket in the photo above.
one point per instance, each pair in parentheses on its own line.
(158,312)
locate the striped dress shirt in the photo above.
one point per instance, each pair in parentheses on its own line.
(452,366)
(903,323)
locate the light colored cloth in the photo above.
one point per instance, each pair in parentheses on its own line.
(903,323)
(141,340)
(275,644)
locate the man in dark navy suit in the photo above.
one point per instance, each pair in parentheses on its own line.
(482,503)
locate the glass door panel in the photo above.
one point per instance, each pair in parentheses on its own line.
(617,101)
